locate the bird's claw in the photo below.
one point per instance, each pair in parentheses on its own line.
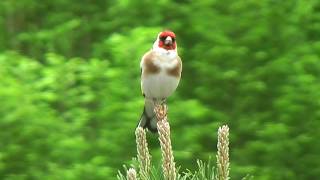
(163,101)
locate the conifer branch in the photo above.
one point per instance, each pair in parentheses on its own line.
(168,164)
(223,153)
(143,155)
(131,174)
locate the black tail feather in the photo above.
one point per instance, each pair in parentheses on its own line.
(146,122)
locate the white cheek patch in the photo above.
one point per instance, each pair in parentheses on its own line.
(165,58)
(163,52)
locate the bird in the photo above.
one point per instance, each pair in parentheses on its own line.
(161,69)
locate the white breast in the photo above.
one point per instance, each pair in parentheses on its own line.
(159,85)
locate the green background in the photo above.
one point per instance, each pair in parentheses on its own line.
(70,94)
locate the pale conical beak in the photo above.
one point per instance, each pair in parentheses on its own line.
(168,41)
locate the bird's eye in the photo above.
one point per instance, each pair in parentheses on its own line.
(162,38)
(173,39)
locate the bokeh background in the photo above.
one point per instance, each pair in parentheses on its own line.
(70,94)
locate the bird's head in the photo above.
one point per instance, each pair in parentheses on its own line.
(167,40)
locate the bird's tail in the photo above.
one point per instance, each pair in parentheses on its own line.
(148,118)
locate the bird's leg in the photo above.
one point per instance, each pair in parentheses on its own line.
(156,102)
(163,101)
(164,105)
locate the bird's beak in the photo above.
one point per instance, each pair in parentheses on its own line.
(168,41)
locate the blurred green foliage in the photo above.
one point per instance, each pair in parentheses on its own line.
(70,87)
